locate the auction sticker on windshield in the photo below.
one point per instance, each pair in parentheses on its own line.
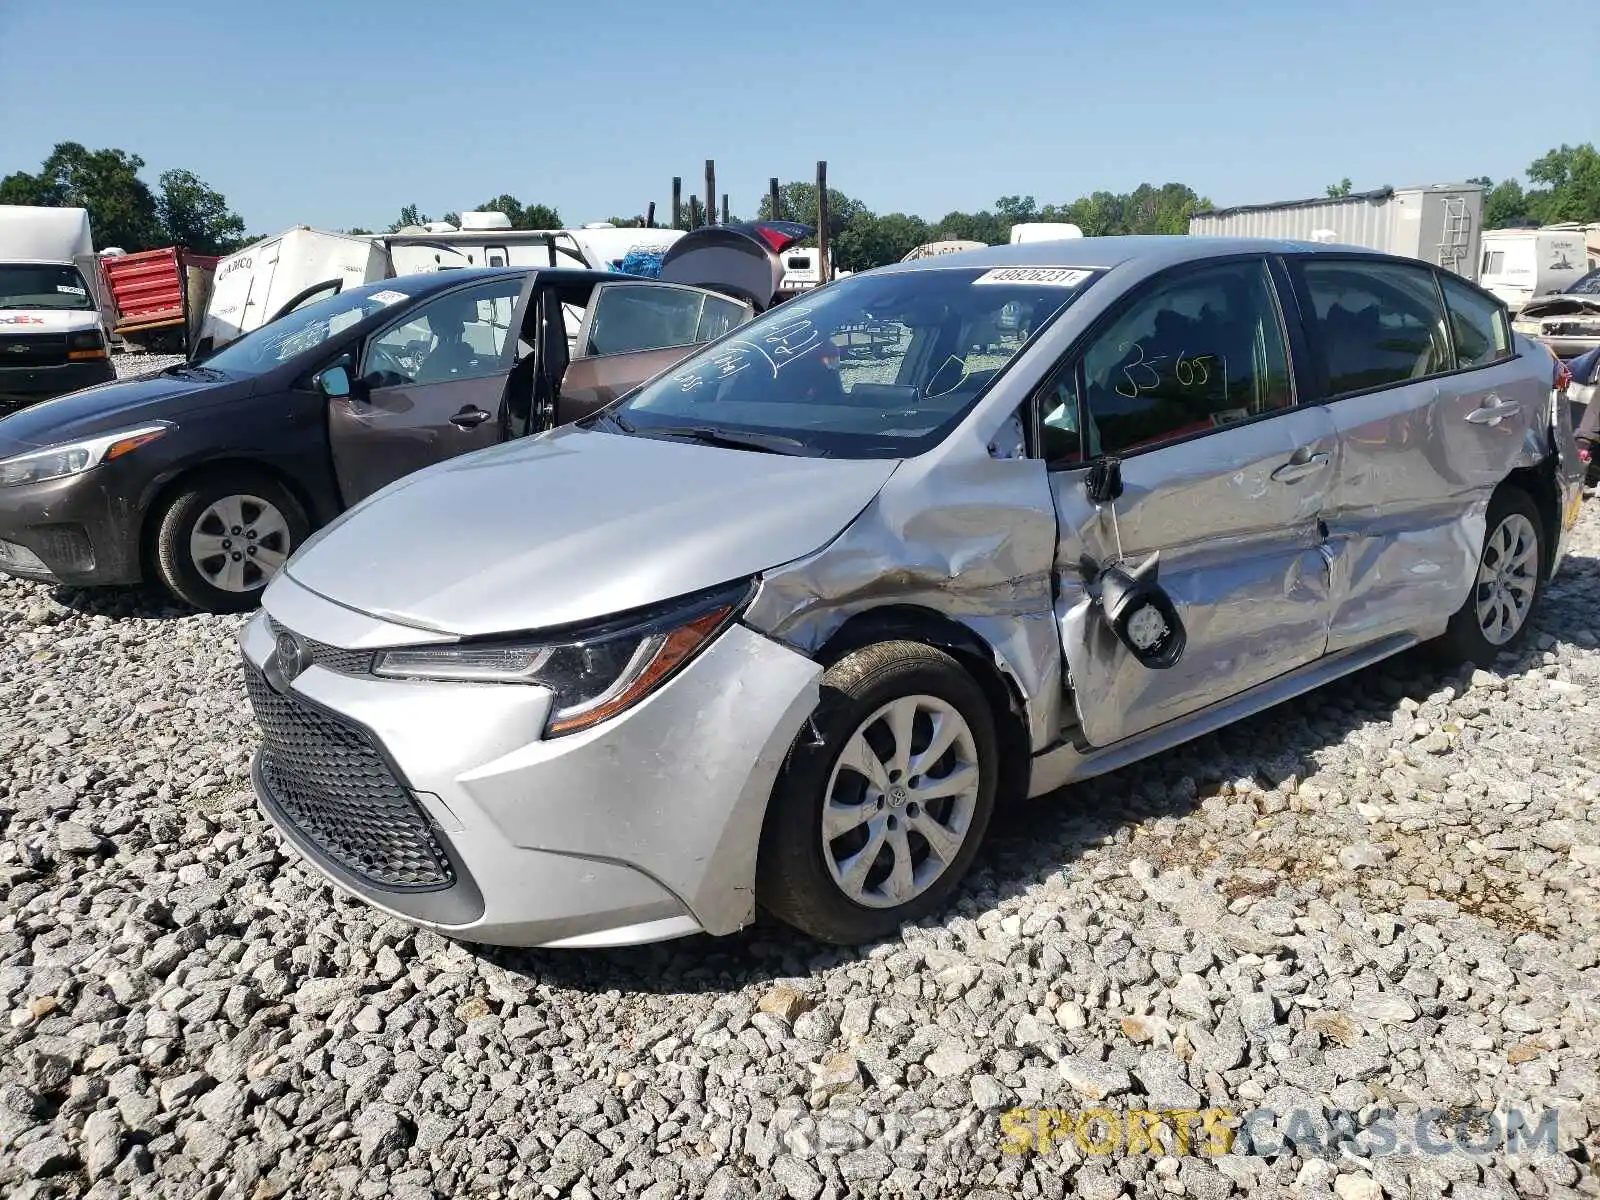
(1048,276)
(389,297)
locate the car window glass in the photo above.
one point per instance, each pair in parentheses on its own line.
(460,335)
(631,317)
(1201,351)
(717,317)
(1478,324)
(1059,443)
(1376,323)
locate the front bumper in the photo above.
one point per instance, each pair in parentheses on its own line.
(22,386)
(643,828)
(79,530)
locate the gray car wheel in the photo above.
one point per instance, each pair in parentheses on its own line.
(1497,612)
(224,536)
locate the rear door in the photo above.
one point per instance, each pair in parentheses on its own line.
(1416,462)
(431,385)
(632,331)
(1188,381)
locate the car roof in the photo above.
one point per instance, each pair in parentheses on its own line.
(1153,251)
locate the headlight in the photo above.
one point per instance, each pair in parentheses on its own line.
(85,344)
(596,672)
(73,458)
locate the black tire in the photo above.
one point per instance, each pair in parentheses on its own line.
(175,565)
(793,880)
(1464,640)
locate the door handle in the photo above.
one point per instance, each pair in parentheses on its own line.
(469,418)
(1493,410)
(1298,468)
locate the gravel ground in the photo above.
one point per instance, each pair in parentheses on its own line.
(1379,897)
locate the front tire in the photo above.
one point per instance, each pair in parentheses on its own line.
(1506,586)
(224,536)
(884,798)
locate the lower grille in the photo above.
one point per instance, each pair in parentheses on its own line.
(330,782)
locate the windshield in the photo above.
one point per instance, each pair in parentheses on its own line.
(875,366)
(42,285)
(304,329)
(1589,285)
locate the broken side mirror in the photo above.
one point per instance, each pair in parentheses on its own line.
(1142,615)
(1137,608)
(334,383)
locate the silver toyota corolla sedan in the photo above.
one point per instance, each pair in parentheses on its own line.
(781,626)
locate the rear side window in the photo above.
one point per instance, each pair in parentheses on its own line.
(1478,324)
(1376,324)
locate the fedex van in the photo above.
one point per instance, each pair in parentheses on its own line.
(53,332)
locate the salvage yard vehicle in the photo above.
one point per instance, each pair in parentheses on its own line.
(53,335)
(779,627)
(159,296)
(1567,321)
(207,476)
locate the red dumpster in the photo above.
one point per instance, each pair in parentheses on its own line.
(159,295)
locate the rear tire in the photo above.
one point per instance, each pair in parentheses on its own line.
(223,537)
(1507,584)
(905,827)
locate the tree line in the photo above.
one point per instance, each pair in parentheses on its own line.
(183,210)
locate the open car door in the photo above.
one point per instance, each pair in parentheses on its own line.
(634,329)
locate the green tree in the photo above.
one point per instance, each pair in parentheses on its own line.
(532,216)
(1339,190)
(122,209)
(197,216)
(409,215)
(1504,204)
(1571,179)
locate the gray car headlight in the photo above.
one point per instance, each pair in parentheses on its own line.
(74,458)
(595,672)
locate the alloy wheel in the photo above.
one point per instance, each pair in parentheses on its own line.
(1508,575)
(900,801)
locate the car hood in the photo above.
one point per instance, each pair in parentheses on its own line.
(110,406)
(1562,304)
(575,526)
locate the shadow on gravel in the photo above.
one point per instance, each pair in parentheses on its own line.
(144,603)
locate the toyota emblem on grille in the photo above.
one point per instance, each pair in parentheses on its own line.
(291,654)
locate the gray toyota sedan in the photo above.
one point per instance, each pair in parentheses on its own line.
(778,628)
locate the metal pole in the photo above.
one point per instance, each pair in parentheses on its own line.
(711,191)
(823,272)
(677,201)
(725,220)
(775,198)
(650,216)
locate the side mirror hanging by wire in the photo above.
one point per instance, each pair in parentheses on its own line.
(1136,606)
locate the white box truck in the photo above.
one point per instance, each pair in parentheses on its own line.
(54,330)
(1440,223)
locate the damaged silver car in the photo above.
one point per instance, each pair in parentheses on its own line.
(780,627)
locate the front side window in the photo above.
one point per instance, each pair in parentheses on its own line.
(1376,324)
(461,335)
(1478,324)
(1201,351)
(41,285)
(650,316)
(874,366)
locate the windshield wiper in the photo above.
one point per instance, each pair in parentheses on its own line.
(766,443)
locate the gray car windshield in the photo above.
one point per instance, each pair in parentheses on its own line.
(874,366)
(304,329)
(42,285)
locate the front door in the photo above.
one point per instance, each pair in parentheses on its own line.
(632,331)
(1189,384)
(431,385)
(1422,445)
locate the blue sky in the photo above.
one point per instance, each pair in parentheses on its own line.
(337,113)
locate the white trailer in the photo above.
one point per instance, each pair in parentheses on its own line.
(255,284)
(1043,231)
(1519,265)
(1439,223)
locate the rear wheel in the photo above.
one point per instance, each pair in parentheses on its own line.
(1506,586)
(884,799)
(224,536)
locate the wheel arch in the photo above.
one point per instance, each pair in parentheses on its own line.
(976,656)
